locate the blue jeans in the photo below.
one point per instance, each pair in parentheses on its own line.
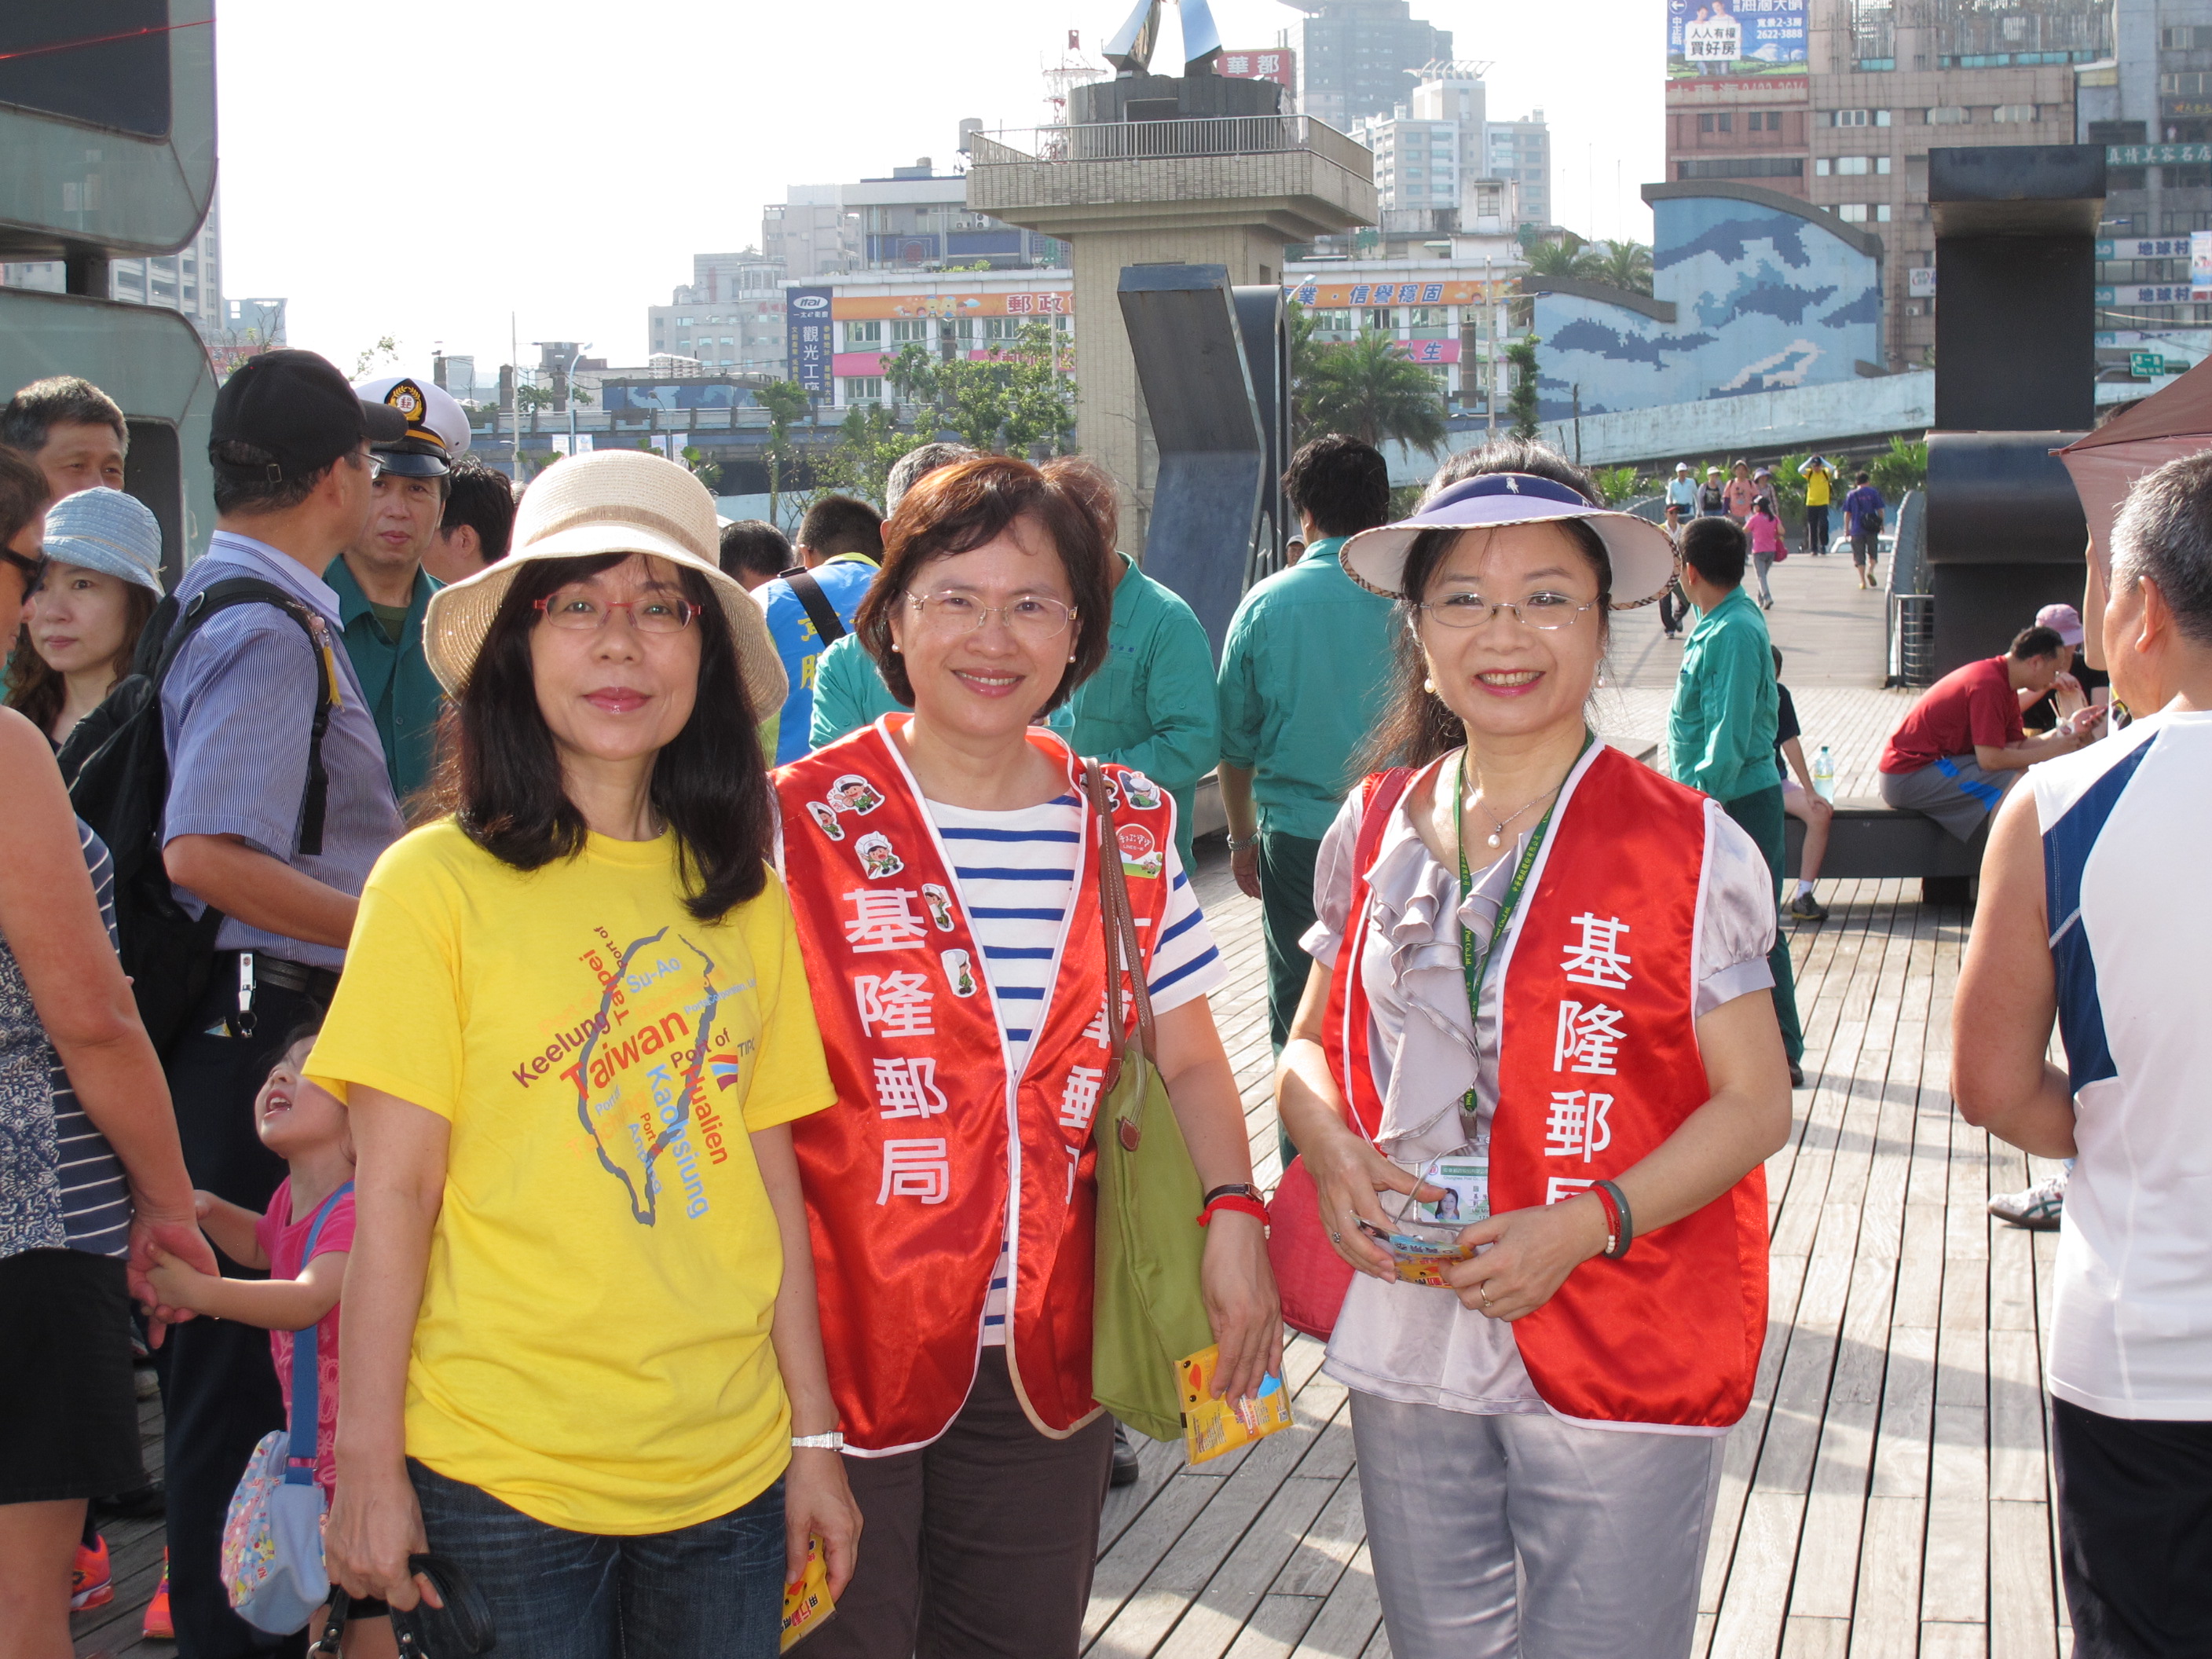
(712,1590)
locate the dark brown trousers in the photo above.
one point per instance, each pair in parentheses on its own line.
(979,1544)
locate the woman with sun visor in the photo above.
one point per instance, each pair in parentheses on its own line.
(1535,1077)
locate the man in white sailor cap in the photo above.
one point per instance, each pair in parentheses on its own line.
(381,585)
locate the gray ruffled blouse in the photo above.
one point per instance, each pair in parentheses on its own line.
(1415,1343)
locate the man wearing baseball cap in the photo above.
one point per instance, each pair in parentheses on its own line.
(241,836)
(2079,684)
(383,590)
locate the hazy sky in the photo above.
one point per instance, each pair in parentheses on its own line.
(422,173)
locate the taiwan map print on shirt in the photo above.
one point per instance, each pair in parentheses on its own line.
(643,1056)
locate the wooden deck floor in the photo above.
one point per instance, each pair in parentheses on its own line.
(1887,1494)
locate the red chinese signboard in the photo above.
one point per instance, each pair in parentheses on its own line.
(1276,64)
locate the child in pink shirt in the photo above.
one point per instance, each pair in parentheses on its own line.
(308,1127)
(1765,530)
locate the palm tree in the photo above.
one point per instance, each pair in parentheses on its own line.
(1368,389)
(1568,257)
(1626,264)
(785,401)
(1522,400)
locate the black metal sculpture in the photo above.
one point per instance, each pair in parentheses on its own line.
(1211,361)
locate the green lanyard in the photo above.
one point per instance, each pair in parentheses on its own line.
(1473,964)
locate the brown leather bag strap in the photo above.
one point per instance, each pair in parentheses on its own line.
(1120,924)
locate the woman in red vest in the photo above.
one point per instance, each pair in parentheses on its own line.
(1540,1007)
(942,868)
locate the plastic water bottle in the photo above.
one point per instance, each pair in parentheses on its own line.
(1824,775)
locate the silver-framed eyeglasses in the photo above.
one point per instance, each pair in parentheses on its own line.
(1546,612)
(579,612)
(1028,616)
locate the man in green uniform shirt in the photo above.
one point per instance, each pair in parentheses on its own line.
(1150,706)
(1721,730)
(381,585)
(1303,674)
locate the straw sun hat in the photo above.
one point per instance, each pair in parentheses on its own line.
(613,501)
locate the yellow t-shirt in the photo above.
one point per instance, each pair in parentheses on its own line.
(1816,486)
(592,1347)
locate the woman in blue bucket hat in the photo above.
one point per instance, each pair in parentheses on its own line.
(102,580)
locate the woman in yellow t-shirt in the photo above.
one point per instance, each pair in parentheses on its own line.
(581,1357)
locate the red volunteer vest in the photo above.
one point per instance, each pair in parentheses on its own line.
(936,1153)
(1599,1064)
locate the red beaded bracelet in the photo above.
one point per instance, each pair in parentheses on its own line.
(1236,1201)
(1612,1218)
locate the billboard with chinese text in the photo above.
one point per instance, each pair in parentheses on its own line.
(1334,296)
(1734,40)
(1276,64)
(807,332)
(864,307)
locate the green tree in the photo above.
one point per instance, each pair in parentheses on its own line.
(707,472)
(1521,402)
(1626,264)
(533,397)
(785,401)
(911,372)
(1016,399)
(1620,483)
(1903,467)
(1570,256)
(869,441)
(384,353)
(1788,486)
(1369,389)
(1298,322)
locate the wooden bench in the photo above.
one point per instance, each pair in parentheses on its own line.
(1871,839)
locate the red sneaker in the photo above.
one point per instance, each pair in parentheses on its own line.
(91,1582)
(158,1626)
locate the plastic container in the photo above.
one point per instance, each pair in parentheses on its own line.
(1824,775)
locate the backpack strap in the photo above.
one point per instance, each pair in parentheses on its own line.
(307,1375)
(194,614)
(819,611)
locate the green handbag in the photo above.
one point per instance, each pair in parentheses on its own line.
(1148,1310)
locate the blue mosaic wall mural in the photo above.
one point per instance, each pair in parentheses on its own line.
(1764,298)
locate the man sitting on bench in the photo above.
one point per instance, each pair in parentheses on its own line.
(1953,756)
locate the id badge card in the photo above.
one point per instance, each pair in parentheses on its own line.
(1464,1178)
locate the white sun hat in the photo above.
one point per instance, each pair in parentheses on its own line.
(612,501)
(1641,553)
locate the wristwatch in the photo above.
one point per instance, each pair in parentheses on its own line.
(1245,845)
(834,1441)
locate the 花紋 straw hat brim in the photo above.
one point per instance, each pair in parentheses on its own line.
(610,502)
(1642,554)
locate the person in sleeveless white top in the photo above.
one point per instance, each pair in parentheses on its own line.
(2094,912)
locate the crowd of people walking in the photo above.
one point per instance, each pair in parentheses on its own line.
(574,1035)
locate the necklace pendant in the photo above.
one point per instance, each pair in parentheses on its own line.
(1495,840)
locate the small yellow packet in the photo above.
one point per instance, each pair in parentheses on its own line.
(1211,1426)
(807,1603)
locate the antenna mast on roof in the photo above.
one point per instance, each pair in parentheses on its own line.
(1073,70)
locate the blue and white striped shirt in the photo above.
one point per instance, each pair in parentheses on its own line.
(1016,872)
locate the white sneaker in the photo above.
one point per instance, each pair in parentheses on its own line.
(2038,1209)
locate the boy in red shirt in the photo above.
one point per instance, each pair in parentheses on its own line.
(1953,756)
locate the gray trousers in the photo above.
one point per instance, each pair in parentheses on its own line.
(1523,1537)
